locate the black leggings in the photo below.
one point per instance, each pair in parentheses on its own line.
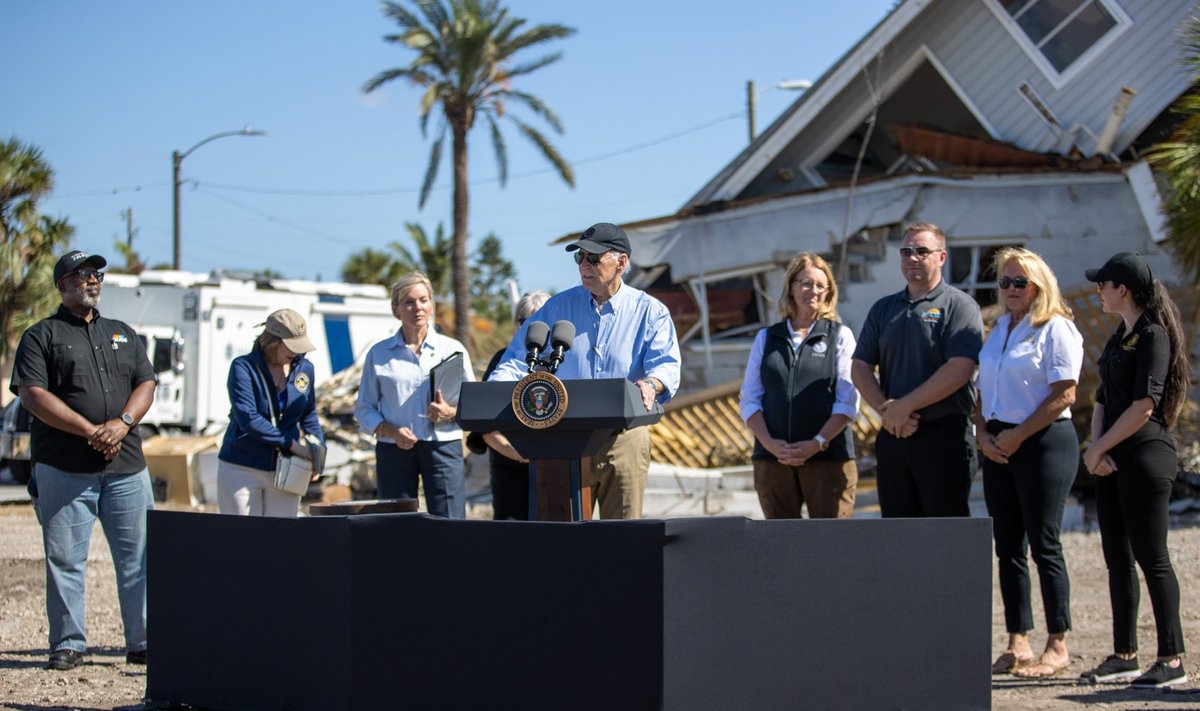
(1131,504)
(1025,499)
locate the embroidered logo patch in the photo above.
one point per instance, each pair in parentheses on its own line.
(119,338)
(819,348)
(301,382)
(932,315)
(1131,344)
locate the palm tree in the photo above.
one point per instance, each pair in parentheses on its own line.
(1178,164)
(372,266)
(464,60)
(30,243)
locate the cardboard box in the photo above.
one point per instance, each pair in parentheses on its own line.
(172,459)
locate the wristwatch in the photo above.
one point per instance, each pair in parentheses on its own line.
(128,420)
(821,441)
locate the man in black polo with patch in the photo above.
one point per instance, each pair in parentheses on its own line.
(925,341)
(87,381)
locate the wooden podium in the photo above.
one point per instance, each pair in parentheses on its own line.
(596,410)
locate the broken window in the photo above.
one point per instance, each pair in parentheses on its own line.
(1062,30)
(971,268)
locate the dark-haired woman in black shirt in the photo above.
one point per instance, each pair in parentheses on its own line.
(1143,386)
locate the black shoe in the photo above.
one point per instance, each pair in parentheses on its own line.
(137,656)
(1160,676)
(63,659)
(1112,669)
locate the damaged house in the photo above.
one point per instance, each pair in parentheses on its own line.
(1005,122)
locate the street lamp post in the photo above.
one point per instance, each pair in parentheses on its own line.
(752,96)
(176,163)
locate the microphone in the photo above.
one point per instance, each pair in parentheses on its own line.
(535,342)
(561,339)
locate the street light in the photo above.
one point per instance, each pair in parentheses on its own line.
(752,96)
(177,161)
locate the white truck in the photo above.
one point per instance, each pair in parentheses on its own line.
(194,325)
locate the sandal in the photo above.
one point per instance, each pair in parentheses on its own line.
(1041,669)
(1008,662)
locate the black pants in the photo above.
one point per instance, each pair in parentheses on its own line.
(928,474)
(1131,504)
(1025,499)
(510,488)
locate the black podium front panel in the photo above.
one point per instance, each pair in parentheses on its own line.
(404,611)
(823,614)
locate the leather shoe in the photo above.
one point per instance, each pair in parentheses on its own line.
(137,656)
(63,659)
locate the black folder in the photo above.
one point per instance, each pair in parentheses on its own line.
(447,376)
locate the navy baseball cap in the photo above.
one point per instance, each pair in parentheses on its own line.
(600,238)
(72,262)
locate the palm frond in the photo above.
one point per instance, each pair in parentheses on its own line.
(435,158)
(501,149)
(539,107)
(549,151)
(384,77)
(537,34)
(530,67)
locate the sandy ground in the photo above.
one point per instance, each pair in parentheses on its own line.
(106,682)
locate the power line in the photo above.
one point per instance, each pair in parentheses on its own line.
(110,191)
(481,181)
(373,192)
(275,218)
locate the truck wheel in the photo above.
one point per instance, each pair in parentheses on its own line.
(21,469)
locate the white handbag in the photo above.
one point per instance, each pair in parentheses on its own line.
(292,474)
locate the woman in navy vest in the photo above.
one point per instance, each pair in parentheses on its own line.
(798,400)
(1028,370)
(272,401)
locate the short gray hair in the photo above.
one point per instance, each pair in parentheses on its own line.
(530,302)
(408,281)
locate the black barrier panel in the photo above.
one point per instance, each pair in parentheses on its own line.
(396,611)
(403,611)
(506,614)
(870,614)
(248,613)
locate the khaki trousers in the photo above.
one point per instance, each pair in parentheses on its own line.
(827,487)
(617,473)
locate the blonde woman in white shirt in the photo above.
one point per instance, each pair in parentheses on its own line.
(1028,370)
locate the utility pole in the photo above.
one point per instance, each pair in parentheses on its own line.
(130,230)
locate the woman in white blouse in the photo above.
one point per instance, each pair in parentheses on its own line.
(798,400)
(415,430)
(1028,370)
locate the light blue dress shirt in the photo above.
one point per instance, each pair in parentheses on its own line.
(630,336)
(395,386)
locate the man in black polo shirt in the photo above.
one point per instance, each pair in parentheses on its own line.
(88,382)
(926,341)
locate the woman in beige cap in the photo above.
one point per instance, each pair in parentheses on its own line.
(272,406)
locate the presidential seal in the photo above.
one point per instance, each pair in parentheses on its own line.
(539,400)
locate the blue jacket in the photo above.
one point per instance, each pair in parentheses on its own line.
(251,440)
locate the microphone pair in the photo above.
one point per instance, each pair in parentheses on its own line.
(559,339)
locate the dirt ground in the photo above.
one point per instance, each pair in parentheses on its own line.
(106,682)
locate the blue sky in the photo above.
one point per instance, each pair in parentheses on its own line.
(108,90)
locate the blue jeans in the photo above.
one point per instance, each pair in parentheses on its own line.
(68,505)
(440,464)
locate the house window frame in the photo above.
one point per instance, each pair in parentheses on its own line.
(1056,78)
(972,284)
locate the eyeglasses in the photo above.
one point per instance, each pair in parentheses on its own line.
(592,259)
(921,252)
(1017,282)
(86,274)
(812,286)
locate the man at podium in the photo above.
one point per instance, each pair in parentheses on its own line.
(620,332)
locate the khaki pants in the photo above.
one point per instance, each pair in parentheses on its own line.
(826,486)
(617,473)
